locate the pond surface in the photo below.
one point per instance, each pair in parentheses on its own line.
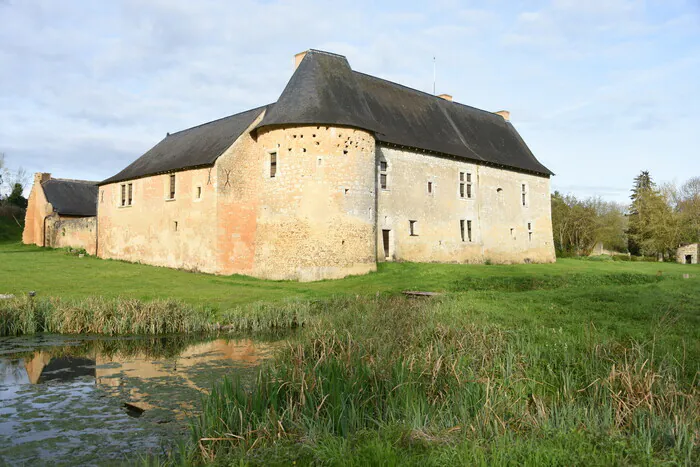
(95,400)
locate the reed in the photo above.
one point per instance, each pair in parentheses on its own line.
(419,382)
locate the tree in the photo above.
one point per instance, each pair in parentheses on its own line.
(9,179)
(16,198)
(688,205)
(654,224)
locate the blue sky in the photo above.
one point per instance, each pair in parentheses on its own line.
(599,89)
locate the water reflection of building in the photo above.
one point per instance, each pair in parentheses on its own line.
(114,371)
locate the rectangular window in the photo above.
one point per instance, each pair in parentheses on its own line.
(175,226)
(383,168)
(199,192)
(172,187)
(273,164)
(430,188)
(529,230)
(469,230)
(469,185)
(413,228)
(461,229)
(130,191)
(123,195)
(524,194)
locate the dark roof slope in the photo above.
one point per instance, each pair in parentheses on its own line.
(325,90)
(195,147)
(72,197)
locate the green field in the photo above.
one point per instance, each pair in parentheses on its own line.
(581,362)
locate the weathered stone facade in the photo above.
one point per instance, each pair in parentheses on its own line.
(73,232)
(485,220)
(345,170)
(688,254)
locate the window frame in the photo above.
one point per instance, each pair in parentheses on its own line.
(384,175)
(171,194)
(273,164)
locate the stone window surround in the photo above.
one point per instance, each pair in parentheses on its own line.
(124,186)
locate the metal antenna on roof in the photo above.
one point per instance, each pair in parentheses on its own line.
(433,75)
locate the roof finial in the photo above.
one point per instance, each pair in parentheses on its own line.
(434,75)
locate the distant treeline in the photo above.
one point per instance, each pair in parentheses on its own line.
(655,223)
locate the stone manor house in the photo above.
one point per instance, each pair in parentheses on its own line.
(343,171)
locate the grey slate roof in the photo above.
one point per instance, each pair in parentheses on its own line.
(199,146)
(325,90)
(72,197)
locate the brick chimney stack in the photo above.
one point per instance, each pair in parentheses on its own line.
(505,114)
(41,177)
(298,58)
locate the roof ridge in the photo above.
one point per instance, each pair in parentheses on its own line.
(220,119)
(72,180)
(422,92)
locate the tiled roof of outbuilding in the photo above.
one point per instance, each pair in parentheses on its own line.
(71,197)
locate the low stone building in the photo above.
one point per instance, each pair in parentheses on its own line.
(688,254)
(62,213)
(343,171)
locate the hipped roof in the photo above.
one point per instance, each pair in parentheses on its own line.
(324,90)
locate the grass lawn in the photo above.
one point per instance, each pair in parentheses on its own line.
(54,273)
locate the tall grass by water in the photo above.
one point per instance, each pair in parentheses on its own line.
(97,315)
(393,381)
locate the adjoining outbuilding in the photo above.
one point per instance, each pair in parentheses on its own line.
(62,213)
(688,254)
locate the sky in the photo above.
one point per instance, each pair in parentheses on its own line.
(599,89)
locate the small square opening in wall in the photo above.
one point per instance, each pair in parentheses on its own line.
(199,192)
(413,228)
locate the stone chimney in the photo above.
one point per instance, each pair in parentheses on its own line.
(298,58)
(41,177)
(505,114)
(447,97)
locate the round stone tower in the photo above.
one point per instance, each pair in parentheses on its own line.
(316,217)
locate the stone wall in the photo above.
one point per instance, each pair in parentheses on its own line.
(75,232)
(692,250)
(502,229)
(156,230)
(316,216)
(38,209)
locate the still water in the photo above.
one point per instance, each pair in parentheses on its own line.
(87,401)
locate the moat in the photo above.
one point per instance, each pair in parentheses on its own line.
(88,400)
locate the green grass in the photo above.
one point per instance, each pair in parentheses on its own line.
(10,231)
(53,273)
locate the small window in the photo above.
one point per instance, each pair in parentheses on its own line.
(172,186)
(469,185)
(175,226)
(529,231)
(123,195)
(383,167)
(130,192)
(461,229)
(465,185)
(430,188)
(273,164)
(523,194)
(412,226)
(199,192)
(469,230)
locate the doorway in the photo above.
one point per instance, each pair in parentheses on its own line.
(688,259)
(385,242)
